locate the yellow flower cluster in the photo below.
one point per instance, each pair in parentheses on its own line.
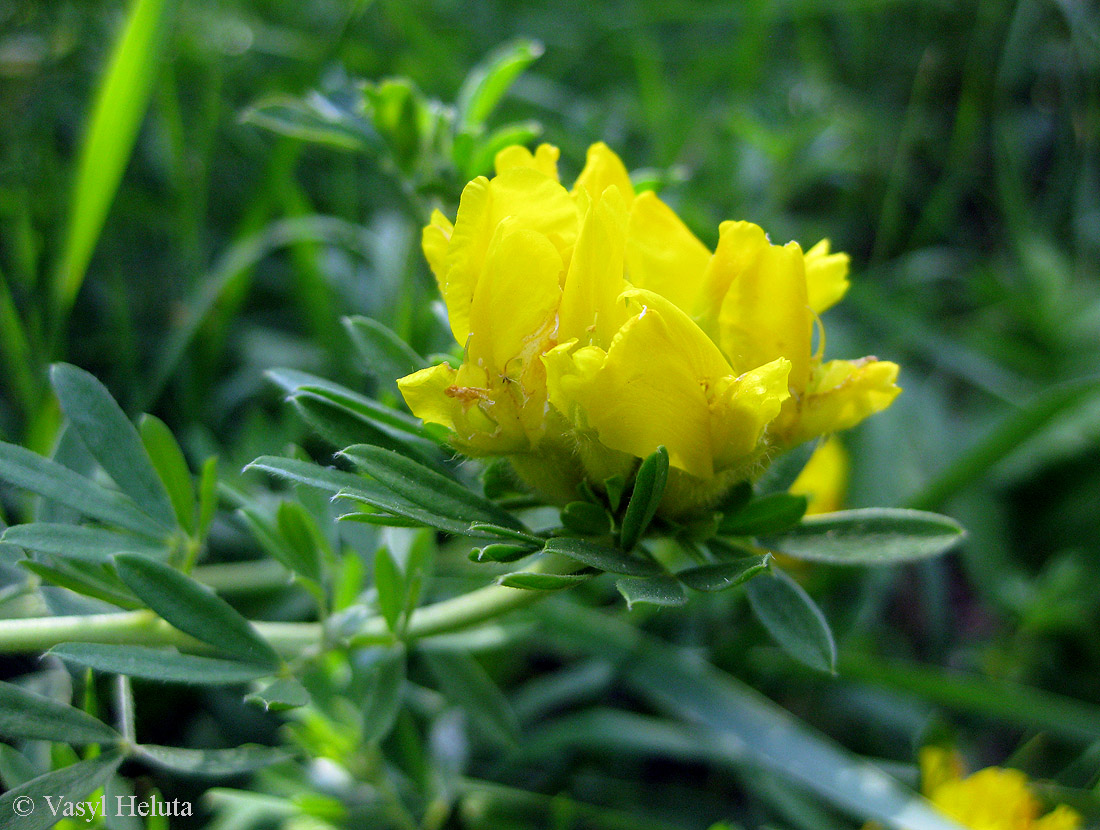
(990,799)
(596,327)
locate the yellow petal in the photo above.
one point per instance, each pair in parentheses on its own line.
(604,169)
(938,765)
(742,408)
(1061,818)
(533,199)
(590,307)
(653,386)
(740,245)
(426,393)
(515,300)
(435,240)
(824,480)
(826,276)
(844,392)
(544,159)
(765,314)
(662,255)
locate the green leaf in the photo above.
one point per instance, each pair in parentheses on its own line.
(735,719)
(194,609)
(280,695)
(385,693)
(649,486)
(793,620)
(340,426)
(83,580)
(534,581)
(357,488)
(24,714)
(314,119)
(500,552)
(655,590)
(785,469)
(602,557)
(158,664)
(487,529)
(94,544)
(305,543)
(111,439)
(171,466)
(386,355)
(487,82)
(383,417)
(872,536)
(121,101)
(464,682)
(71,783)
(723,575)
(585,519)
(211,762)
(390,585)
(208,495)
(23,468)
(427,488)
(765,515)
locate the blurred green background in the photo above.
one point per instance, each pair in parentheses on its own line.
(953,148)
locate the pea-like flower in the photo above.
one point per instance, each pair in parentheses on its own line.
(596,327)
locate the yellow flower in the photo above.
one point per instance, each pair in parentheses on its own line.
(990,799)
(596,327)
(824,479)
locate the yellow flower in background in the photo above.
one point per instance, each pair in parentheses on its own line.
(990,799)
(824,479)
(596,327)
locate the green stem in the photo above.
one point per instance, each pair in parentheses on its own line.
(37,634)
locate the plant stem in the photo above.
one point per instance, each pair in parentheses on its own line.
(37,634)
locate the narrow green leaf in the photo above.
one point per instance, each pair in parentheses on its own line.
(379,519)
(211,762)
(194,609)
(602,557)
(533,581)
(397,423)
(120,105)
(427,488)
(485,528)
(171,466)
(314,119)
(23,468)
(111,439)
(280,695)
(654,590)
(390,585)
(784,470)
(585,519)
(24,714)
(386,355)
(765,515)
(793,619)
(304,541)
(487,82)
(341,427)
(15,769)
(385,694)
(649,486)
(723,575)
(872,536)
(95,544)
(357,488)
(71,783)
(500,552)
(158,664)
(83,580)
(746,723)
(208,495)
(464,682)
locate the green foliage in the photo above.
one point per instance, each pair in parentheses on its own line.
(196,198)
